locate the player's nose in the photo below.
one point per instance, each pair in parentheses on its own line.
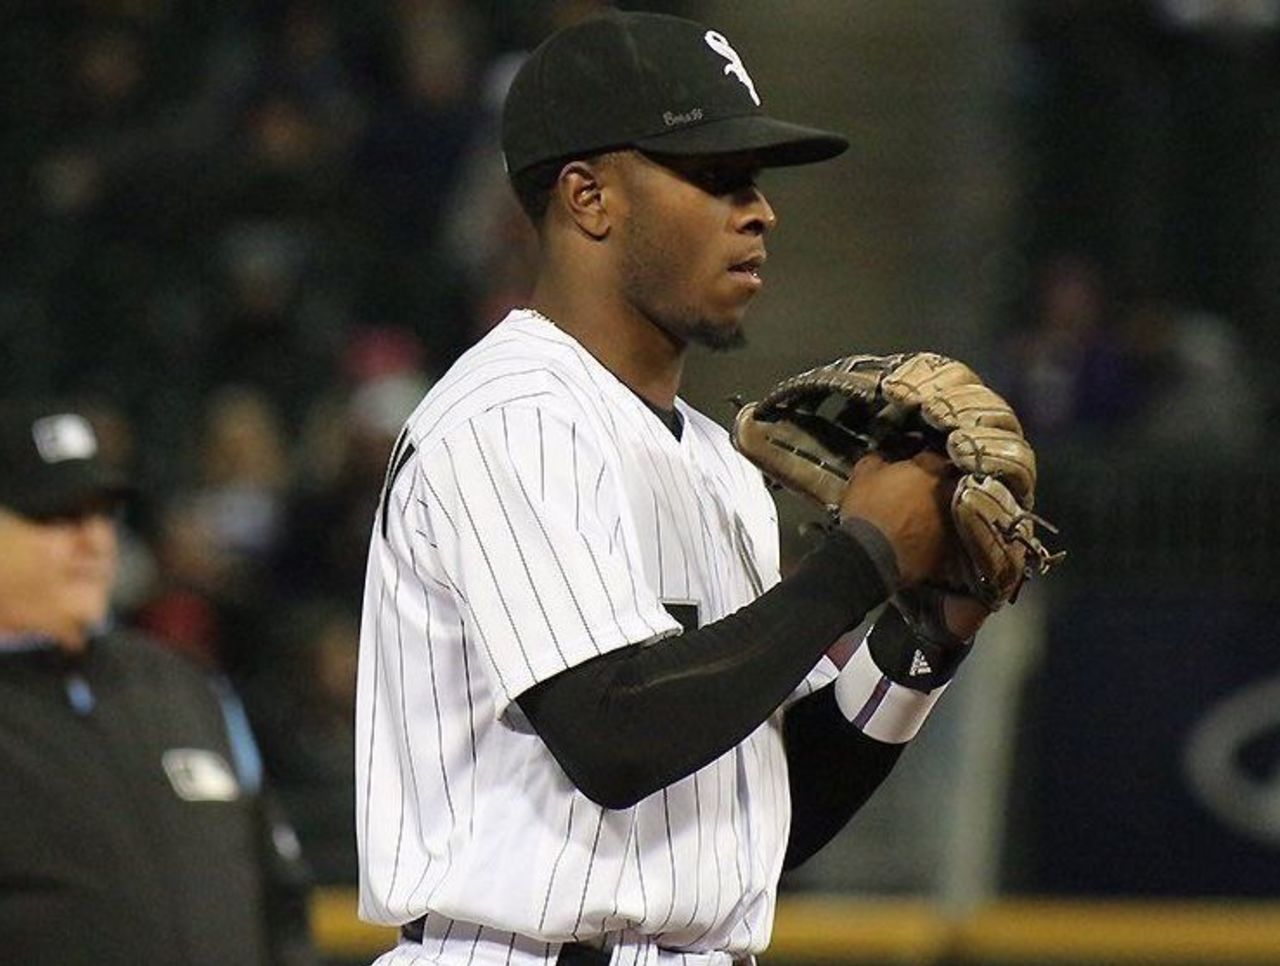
(755,215)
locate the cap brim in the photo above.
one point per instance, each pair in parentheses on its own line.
(67,493)
(776,143)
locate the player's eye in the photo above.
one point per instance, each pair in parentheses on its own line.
(725,179)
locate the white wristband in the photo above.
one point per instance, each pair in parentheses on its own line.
(877,707)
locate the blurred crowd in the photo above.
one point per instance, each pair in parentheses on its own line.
(1150,226)
(244,238)
(1149,373)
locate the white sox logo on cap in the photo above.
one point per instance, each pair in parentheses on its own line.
(718,42)
(64,437)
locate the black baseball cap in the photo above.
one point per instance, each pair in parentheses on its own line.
(658,83)
(50,463)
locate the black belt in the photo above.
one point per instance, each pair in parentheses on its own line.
(571,954)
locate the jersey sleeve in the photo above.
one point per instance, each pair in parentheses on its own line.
(530,532)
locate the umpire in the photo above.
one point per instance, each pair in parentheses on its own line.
(134,829)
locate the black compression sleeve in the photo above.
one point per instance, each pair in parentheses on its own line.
(832,768)
(635,720)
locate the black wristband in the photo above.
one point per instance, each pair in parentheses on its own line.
(909,660)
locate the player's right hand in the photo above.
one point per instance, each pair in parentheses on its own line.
(908,501)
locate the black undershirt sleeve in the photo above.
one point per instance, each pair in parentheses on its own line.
(832,769)
(631,722)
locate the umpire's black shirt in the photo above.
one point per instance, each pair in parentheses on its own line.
(125,834)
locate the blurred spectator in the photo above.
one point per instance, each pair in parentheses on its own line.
(303,709)
(1201,389)
(1067,372)
(410,155)
(215,541)
(347,444)
(244,475)
(483,229)
(272,332)
(196,586)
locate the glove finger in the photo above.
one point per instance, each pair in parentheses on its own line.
(995,534)
(967,406)
(793,458)
(923,375)
(854,377)
(1002,453)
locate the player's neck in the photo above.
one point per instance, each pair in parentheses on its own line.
(644,357)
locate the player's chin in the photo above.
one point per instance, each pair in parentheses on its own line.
(718,335)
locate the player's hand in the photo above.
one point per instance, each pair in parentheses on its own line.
(963,616)
(908,501)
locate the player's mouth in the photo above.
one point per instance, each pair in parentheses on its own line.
(748,270)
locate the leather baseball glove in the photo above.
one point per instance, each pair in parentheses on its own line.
(808,432)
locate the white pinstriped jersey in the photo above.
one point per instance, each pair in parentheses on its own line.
(539,514)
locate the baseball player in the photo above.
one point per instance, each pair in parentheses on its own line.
(593,724)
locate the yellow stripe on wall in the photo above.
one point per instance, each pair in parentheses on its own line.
(847,929)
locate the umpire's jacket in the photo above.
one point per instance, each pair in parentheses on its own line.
(126,834)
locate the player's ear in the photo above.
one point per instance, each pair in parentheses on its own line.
(581,188)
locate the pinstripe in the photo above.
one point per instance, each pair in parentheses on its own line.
(542,461)
(493,576)
(772,782)
(435,707)
(400,820)
(551,879)
(604,586)
(447,930)
(675,495)
(671,855)
(697,819)
(404,727)
(631,578)
(760,775)
(586,879)
(733,818)
(472,388)
(474,617)
(622,869)
(715,852)
(657,541)
(515,542)
(644,893)
(471,722)
(666,482)
(719,579)
(595,494)
(551,549)
(373,730)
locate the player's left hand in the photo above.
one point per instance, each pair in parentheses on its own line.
(940,616)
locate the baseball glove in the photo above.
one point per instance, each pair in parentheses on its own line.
(810,430)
